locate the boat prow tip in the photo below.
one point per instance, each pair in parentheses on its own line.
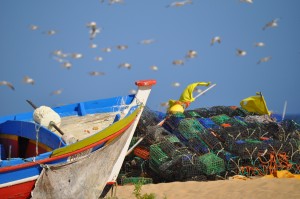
(149,82)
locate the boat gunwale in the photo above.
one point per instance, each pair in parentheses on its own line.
(65,155)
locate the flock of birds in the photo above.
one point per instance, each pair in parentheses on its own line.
(64,57)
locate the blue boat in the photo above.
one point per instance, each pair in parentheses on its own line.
(70,151)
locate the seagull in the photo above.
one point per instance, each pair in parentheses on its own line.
(176,84)
(180,3)
(147,41)
(246,1)
(77,55)
(240,52)
(197,90)
(60,53)
(191,54)
(122,47)
(56,92)
(155,68)
(96,73)
(93,45)
(107,50)
(125,65)
(34,27)
(5,83)
(67,65)
(178,62)
(99,58)
(133,91)
(51,32)
(164,104)
(271,24)
(60,60)
(93,29)
(28,80)
(259,44)
(115,1)
(215,39)
(264,59)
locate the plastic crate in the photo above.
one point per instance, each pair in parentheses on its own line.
(211,164)
(208,123)
(142,152)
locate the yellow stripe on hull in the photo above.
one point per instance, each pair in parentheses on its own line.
(41,145)
(115,127)
(10,137)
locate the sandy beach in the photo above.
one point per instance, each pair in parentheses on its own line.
(263,188)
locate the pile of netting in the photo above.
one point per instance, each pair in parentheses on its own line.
(210,143)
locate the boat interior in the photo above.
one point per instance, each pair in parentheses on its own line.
(21,137)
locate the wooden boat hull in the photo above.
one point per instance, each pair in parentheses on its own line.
(19,190)
(18,175)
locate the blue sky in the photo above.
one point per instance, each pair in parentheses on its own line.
(174,30)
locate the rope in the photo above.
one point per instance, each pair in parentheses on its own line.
(37,129)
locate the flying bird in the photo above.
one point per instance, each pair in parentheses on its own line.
(154,68)
(8,84)
(122,47)
(76,55)
(28,80)
(164,104)
(125,65)
(93,45)
(60,53)
(191,54)
(133,91)
(180,3)
(271,24)
(197,90)
(240,52)
(264,59)
(178,62)
(56,92)
(33,27)
(98,58)
(215,39)
(115,1)
(259,44)
(246,1)
(107,50)
(94,30)
(147,41)
(67,65)
(96,73)
(176,84)
(50,32)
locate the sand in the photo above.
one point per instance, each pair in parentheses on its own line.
(264,188)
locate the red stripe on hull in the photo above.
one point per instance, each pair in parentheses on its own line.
(22,190)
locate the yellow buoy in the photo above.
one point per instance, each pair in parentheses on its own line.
(176,108)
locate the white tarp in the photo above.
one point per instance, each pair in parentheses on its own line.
(84,178)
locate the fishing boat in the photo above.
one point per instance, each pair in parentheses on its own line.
(77,156)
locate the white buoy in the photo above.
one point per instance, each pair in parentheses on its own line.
(44,115)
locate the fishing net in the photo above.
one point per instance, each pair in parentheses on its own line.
(211,164)
(198,146)
(208,123)
(192,114)
(157,157)
(148,118)
(219,110)
(155,134)
(205,143)
(172,121)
